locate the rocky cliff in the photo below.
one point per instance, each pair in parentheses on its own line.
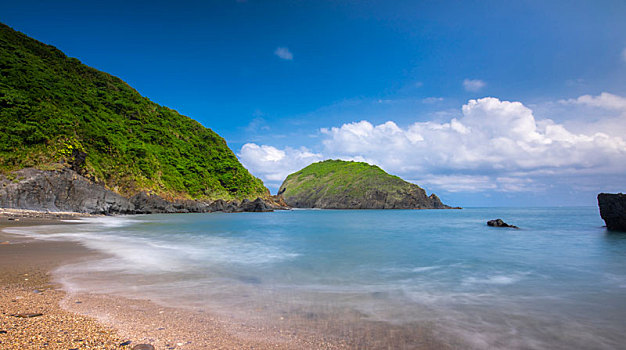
(336,184)
(613,210)
(66,190)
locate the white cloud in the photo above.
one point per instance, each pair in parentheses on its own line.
(458,183)
(492,136)
(430,100)
(283,53)
(604,100)
(473,85)
(273,165)
(493,145)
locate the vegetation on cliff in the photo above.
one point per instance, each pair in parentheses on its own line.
(336,184)
(54,110)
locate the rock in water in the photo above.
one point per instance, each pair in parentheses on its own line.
(613,210)
(337,184)
(499,223)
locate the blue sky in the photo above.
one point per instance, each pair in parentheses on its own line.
(291,82)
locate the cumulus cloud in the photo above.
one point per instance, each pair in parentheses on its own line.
(273,165)
(494,145)
(492,136)
(473,85)
(283,53)
(604,100)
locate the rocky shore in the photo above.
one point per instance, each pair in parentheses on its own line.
(65,190)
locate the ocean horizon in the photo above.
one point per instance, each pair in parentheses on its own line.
(558,282)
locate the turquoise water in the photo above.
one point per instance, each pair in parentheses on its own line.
(558,282)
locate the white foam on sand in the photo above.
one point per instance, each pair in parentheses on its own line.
(495,279)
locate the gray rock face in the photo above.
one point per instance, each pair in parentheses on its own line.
(63,190)
(257,205)
(66,190)
(411,198)
(613,210)
(151,204)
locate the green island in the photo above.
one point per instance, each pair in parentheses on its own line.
(337,184)
(56,112)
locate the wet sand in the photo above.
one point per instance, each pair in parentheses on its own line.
(96,321)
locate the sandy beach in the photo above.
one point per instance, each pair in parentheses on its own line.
(30,314)
(36,313)
(59,320)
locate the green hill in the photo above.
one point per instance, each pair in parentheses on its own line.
(336,184)
(54,110)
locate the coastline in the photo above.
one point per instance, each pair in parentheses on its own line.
(100,321)
(9,216)
(83,321)
(26,288)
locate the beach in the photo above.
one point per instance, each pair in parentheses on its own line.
(28,290)
(314,279)
(36,313)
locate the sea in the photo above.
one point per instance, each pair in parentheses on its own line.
(557,282)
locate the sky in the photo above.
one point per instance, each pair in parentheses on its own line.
(485,103)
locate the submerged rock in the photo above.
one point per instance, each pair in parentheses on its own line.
(613,210)
(499,223)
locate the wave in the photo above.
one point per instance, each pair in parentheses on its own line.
(496,279)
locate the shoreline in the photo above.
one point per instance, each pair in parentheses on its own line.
(24,217)
(101,321)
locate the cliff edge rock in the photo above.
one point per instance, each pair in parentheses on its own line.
(613,210)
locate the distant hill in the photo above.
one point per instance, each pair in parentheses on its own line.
(337,184)
(56,112)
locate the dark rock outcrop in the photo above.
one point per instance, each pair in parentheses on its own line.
(151,204)
(61,190)
(499,223)
(257,205)
(66,190)
(613,210)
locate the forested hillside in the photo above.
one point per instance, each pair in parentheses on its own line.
(56,111)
